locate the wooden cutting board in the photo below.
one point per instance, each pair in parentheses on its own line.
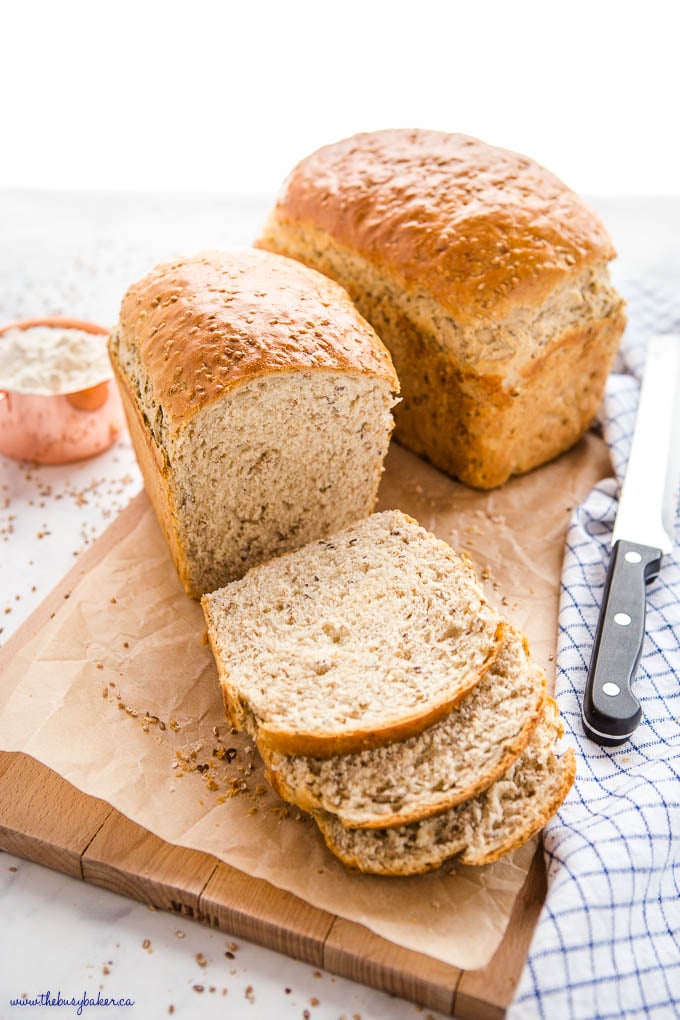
(47,820)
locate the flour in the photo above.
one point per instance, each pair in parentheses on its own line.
(47,359)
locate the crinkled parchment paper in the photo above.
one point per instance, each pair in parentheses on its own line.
(119,695)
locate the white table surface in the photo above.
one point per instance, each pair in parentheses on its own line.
(67,253)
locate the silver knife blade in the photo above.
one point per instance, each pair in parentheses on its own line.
(649,497)
(643,532)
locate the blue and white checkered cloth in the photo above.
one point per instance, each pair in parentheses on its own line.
(608,940)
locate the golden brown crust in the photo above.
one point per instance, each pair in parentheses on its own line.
(327,745)
(354,862)
(512,752)
(348,859)
(568,766)
(153,464)
(478,417)
(232,709)
(482,432)
(207,323)
(301,798)
(406,869)
(484,230)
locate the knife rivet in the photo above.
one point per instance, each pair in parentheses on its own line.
(611,689)
(632,557)
(623,619)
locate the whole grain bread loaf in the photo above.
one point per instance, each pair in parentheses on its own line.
(448,763)
(259,404)
(352,642)
(479,831)
(485,276)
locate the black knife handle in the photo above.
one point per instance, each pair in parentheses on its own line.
(610,711)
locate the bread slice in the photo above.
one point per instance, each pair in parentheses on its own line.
(444,765)
(485,276)
(479,831)
(259,404)
(351,642)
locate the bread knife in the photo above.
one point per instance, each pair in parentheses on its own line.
(643,533)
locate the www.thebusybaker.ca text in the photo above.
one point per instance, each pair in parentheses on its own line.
(48,999)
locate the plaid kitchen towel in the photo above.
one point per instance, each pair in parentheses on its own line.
(608,940)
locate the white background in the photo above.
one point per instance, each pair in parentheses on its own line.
(226,97)
(209,96)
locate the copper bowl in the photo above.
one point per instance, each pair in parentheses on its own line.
(57,428)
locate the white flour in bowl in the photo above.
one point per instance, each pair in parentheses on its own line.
(51,359)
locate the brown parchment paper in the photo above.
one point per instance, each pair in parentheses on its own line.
(119,695)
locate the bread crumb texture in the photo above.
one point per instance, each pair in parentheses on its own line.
(389,700)
(446,764)
(259,403)
(200,325)
(505,816)
(351,642)
(484,275)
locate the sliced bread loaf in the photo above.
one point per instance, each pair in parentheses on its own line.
(479,831)
(444,765)
(352,642)
(259,403)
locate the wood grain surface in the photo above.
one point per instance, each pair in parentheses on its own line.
(47,820)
